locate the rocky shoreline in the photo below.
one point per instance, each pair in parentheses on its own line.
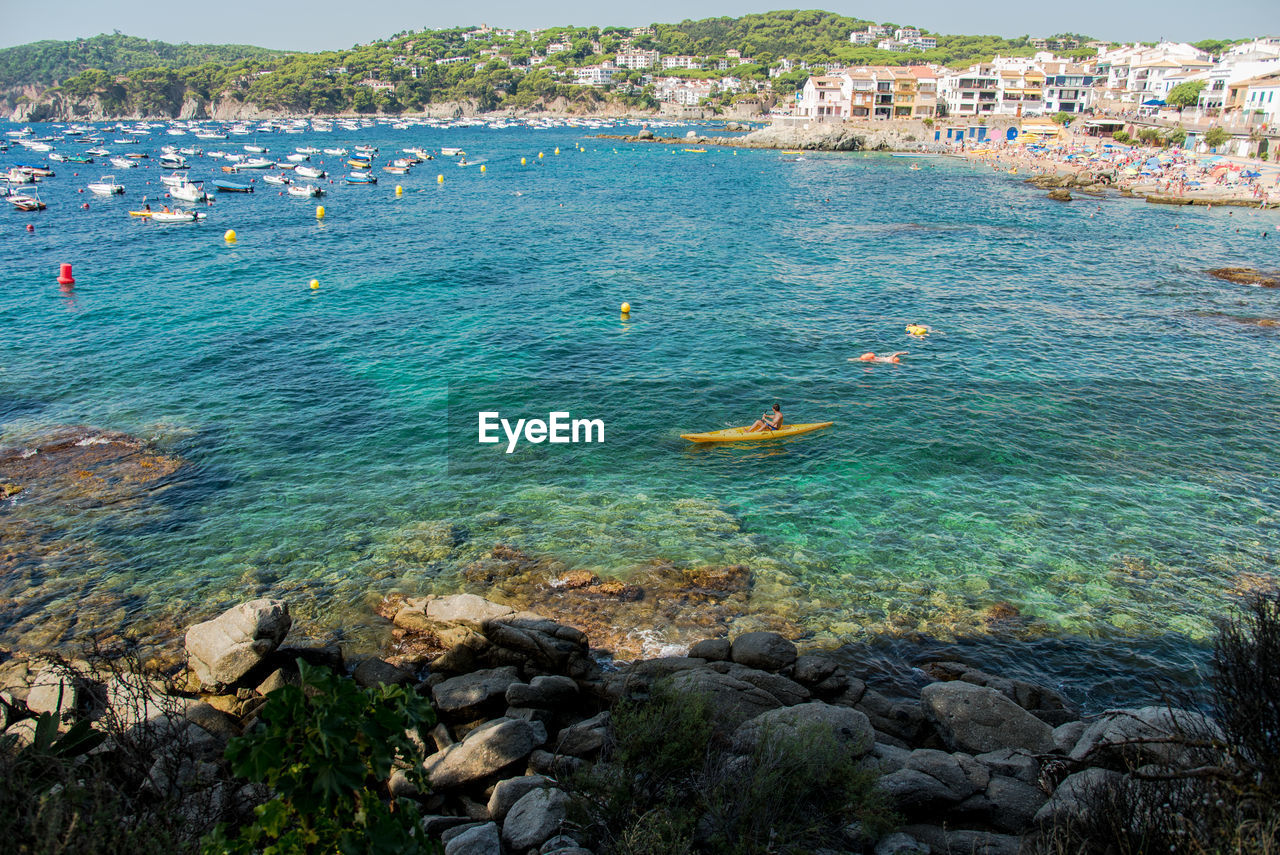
(973,762)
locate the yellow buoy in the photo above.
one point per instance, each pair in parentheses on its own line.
(626,308)
(230,236)
(539,155)
(399,190)
(315,284)
(482,167)
(319,212)
(523,162)
(557,149)
(440,178)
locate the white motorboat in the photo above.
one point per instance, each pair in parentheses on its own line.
(106,186)
(255,149)
(298,158)
(173,161)
(173,180)
(188,191)
(97,151)
(256,163)
(305,190)
(124,163)
(18,175)
(308,150)
(309,172)
(449,151)
(276,178)
(336,152)
(175,216)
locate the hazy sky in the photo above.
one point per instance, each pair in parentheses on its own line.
(328,24)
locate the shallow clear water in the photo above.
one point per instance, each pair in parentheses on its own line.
(1088,436)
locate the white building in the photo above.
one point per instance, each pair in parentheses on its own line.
(637,59)
(558,47)
(1009,86)
(1263,97)
(1135,74)
(681,62)
(595,75)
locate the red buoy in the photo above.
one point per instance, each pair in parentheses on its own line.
(64,275)
(30,227)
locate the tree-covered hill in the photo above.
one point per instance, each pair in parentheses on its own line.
(47,63)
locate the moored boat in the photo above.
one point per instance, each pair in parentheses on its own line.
(106,186)
(305,190)
(232,187)
(189,191)
(310,172)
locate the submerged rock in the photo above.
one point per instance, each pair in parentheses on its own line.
(1245,276)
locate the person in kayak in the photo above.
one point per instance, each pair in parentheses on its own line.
(769,421)
(871,357)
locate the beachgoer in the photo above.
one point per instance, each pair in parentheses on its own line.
(871,357)
(768,421)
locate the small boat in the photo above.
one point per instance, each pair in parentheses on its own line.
(19,176)
(176,216)
(739,434)
(356,163)
(305,190)
(274,178)
(106,186)
(189,192)
(452,152)
(232,187)
(123,163)
(79,158)
(256,149)
(36,171)
(310,172)
(173,161)
(210,135)
(173,180)
(256,163)
(23,202)
(308,150)
(97,151)
(696,150)
(361,178)
(336,152)
(367,150)
(59,158)
(297,158)
(396,170)
(125,141)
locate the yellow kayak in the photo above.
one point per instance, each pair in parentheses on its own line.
(739,434)
(140,213)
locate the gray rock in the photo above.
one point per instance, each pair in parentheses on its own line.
(55,691)
(584,738)
(1065,736)
(959,773)
(535,818)
(224,649)
(213,720)
(1071,798)
(548,692)
(465,609)
(901,719)
(911,790)
(507,793)
(900,844)
(545,644)
(400,787)
(24,731)
(1148,735)
(1013,804)
(435,825)
(811,669)
(481,840)
(787,691)
(485,751)
(454,831)
(1012,763)
(977,719)
(373,672)
(711,649)
(850,727)
(277,679)
(559,843)
(885,758)
(767,651)
(732,701)
(470,694)
(964,841)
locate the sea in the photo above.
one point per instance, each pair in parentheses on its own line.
(1084,442)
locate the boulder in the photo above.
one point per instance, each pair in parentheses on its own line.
(507,793)
(787,691)
(885,758)
(911,790)
(1072,799)
(810,669)
(485,751)
(377,672)
(56,691)
(212,720)
(902,719)
(1013,763)
(1065,736)
(1060,195)
(584,738)
(400,787)
(898,843)
(1008,804)
(277,679)
(711,649)
(965,841)
(545,644)
(767,651)
(535,818)
(959,773)
(732,701)
(467,609)
(1148,735)
(224,649)
(546,692)
(977,719)
(469,694)
(850,727)
(480,840)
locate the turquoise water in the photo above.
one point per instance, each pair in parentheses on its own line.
(1088,437)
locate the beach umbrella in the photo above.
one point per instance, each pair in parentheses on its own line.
(1251,174)
(1154,102)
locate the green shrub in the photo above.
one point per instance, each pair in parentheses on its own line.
(668,783)
(1122,137)
(326,749)
(1215,137)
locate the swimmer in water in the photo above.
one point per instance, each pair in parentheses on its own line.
(871,357)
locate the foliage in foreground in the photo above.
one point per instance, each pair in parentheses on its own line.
(326,749)
(670,784)
(1228,801)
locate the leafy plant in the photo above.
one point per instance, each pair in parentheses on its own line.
(1215,137)
(326,749)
